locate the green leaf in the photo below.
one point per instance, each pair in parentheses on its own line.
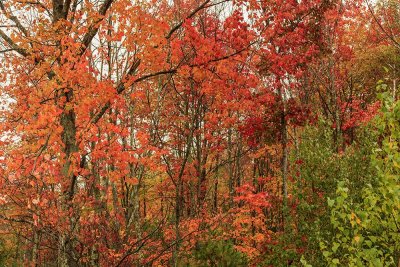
(326,254)
(331,202)
(335,246)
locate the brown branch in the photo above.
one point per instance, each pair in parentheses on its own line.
(66,7)
(120,88)
(142,241)
(36,3)
(3,217)
(11,16)
(390,36)
(94,27)
(7,50)
(176,27)
(13,45)
(183,238)
(144,77)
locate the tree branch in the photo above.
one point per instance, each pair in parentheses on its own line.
(390,36)
(120,88)
(176,27)
(13,45)
(66,7)
(94,27)
(11,16)
(36,3)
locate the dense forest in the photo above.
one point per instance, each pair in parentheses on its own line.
(199,133)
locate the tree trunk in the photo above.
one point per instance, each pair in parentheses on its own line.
(284,161)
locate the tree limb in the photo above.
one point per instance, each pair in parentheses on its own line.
(94,27)
(11,16)
(13,45)
(176,27)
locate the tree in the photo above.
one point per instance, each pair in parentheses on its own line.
(80,149)
(134,131)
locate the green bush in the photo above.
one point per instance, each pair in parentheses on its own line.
(366,229)
(317,178)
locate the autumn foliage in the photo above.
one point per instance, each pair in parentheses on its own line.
(167,133)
